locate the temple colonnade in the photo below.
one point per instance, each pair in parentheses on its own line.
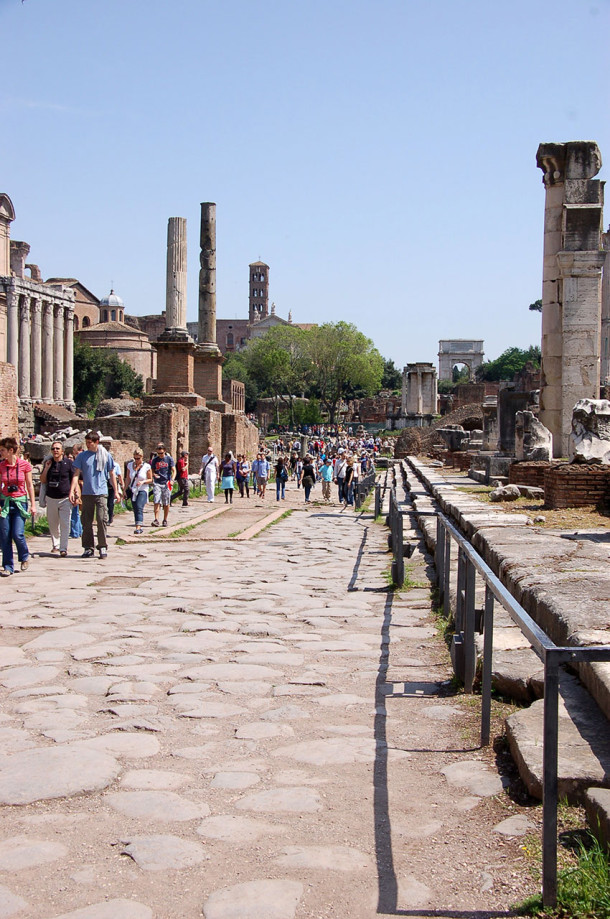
(40,339)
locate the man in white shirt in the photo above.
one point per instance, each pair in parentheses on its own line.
(209,471)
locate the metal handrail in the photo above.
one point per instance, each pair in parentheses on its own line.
(553,656)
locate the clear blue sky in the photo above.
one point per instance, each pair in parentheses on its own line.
(379,155)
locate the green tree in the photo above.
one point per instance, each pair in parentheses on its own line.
(99,373)
(536,306)
(392,377)
(460,375)
(342,359)
(235,368)
(280,365)
(510,362)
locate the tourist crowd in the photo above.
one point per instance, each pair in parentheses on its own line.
(81,485)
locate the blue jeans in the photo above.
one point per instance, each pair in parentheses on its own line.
(341,488)
(139,503)
(348,491)
(280,484)
(12,529)
(307,491)
(76,527)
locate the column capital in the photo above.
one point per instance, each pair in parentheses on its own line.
(36,306)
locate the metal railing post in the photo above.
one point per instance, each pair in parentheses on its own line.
(440,558)
(470,654)
(488,632)
(549,779)
(447,571)
(459,601)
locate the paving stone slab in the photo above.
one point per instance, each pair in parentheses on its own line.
(54,772)
(19,852)
(156,805)
(162,852)
(10,903)
(153,779)
(130,745)
(111,909)
(265,899)
(518,825)
(263,730)
(238,830)
(235,780)
(330,752)
(474,775)
(282,800)
(330,858)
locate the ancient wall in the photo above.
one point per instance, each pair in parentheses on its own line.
(239,435)
(148,427)
(205,431)
(576,485)
(8,400)
(531,473)
(234,393)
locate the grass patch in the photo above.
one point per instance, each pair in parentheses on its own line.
(566,518)
(273,522)
(233,535)
(120,542)
(40,527)
(409,582)
(583,888)
(183,531)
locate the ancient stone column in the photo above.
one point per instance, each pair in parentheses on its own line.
(605,356)
(47,351)
(68,354)
(571,289)
(207,279)
(58,353)
(36,350)
(24,348)
(175,295)
(12,323)
(403,402)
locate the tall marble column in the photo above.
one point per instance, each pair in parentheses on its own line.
(12,327)
(24,348)
(47,351)
(36,350)
(175,294)
(58,353)
(68,354)
(403,401)
(207,279)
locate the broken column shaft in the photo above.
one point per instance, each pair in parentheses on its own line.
(207,278)
(175,294)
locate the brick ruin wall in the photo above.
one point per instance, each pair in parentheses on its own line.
(239,435)
(205,431)
(528,473)
(8,401)
(148,427)
(576,485)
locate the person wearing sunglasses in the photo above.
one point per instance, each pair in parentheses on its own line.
(57,476)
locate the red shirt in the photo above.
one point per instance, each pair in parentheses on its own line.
(14,475)
(182,468)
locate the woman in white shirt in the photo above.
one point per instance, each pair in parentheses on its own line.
(139,479)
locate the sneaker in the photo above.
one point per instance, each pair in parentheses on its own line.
(88,553)
(25,565)
(155,523)
(5,573)
(165,523)
(103,553)
(63,554)
(54,550)
(138,531)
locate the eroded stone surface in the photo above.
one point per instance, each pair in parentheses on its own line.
(478,778)
(111,909)
(332,858)
(161,852)
(19,852)
(236,829)
(156,805)
(282,800)
(54,772)
(277,899)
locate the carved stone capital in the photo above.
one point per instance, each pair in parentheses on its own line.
(36,306)
(578,159)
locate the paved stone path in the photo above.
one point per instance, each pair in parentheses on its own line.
(239,730)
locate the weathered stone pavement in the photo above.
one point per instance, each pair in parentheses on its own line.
(239,730)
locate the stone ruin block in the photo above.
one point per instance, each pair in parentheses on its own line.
(454,436)
(533,442)
(591,431)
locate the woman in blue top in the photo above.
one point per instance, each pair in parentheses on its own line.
(227,470)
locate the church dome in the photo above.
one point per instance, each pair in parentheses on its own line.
(112,300)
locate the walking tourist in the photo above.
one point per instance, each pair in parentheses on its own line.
(16,487)
(262,474)
(96,467)
(243,475)
(137,485)
(182,479)
(326,474)
(281,477)
(114,496)
(57,476)
(339,475)
(309,477)
(228,477)
(348,483)
(76,526)
(163,468)
(209,472)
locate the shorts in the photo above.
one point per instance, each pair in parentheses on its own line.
(161,494)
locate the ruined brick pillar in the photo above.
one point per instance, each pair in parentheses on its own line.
(571,289)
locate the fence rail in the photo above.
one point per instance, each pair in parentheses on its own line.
(363,488)
(471,565)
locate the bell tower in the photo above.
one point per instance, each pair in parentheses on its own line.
(259,291)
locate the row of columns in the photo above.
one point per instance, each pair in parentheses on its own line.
(40,340)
